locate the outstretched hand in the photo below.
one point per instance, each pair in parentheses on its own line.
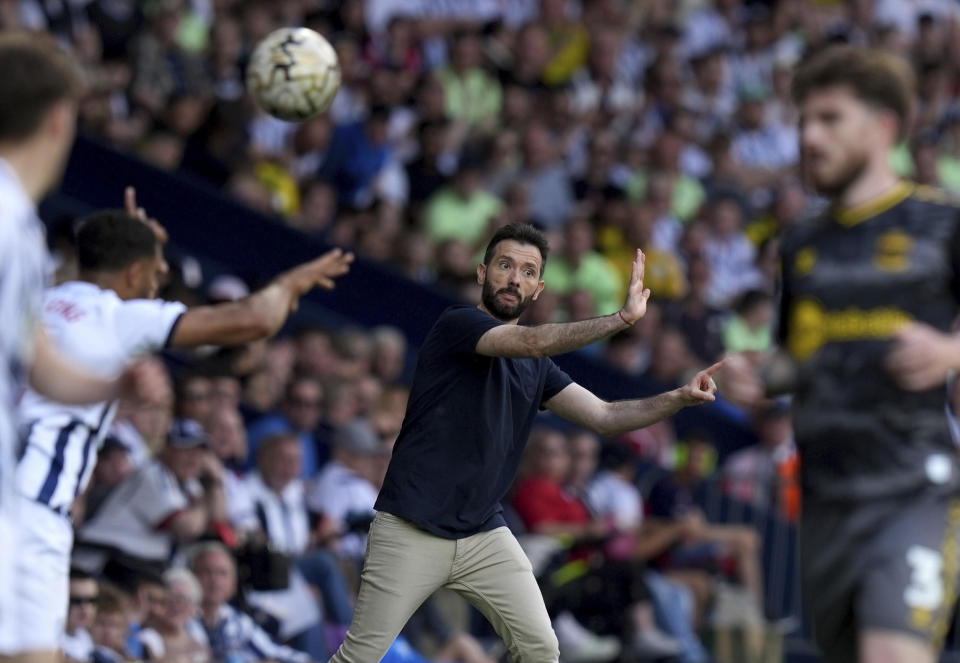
(139,213)
(319,273)
(701,389)
(635,307)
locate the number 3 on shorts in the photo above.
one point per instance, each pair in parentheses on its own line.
(925,590)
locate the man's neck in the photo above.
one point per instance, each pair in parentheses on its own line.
(28,165)
(876,180)
(211,613)
(104,282)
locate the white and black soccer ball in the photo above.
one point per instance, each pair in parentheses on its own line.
(293,74)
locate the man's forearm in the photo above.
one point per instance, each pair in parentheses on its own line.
(622,416)
(558,338)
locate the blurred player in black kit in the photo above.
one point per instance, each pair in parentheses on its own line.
(870,288)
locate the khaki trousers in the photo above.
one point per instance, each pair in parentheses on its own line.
(405,565)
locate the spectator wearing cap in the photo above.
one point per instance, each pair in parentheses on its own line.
(76,643)
(463,210)
(344,491)
(176,497)
(230,633)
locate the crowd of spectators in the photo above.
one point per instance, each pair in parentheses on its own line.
(610,124)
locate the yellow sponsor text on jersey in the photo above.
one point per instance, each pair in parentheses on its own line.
(893,251)
(812,326)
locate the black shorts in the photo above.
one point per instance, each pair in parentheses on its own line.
(880,565)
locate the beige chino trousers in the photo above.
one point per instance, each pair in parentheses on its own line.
(405,565)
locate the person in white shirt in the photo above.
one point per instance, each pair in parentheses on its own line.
(174,497)
(39,90)
(76,642)
(231,634)
(103,321)
(281,511)
(343,490)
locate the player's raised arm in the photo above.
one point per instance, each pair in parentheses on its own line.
(612,418)
(263,313)
(557,338)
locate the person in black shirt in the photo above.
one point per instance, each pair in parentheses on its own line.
(870,289)
(479,382)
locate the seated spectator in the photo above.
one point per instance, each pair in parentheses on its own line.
(750,329)
(113,466)
(175,497)
(551,196)
(700,323)
(194,397)
(463,210)
(77,643)
(728,250)
(228,441)
(344,492)
(675,496)
(111,627)
(300,413)
(473,96)
(281,514)
(580,266)
(609,598)
(765,475)
(358,153)
(231,634)
(173,635)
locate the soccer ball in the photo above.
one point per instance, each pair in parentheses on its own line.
(293,74)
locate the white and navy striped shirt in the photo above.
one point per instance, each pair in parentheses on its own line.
(101,333)
(236,637)
(23,270)
(283,517)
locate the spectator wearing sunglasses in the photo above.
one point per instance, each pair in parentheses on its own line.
(84,592)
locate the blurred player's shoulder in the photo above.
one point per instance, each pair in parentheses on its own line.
(814,219)
(924,193)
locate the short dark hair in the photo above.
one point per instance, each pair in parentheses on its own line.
(878,78)
(36,75)
(519,232)
(111,240)
(80,574)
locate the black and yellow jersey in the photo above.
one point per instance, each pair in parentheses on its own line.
(851,279)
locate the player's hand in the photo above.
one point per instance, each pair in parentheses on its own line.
(921,357)
(702,388)
(635,307)
(321,272)
(137,212)
(739,381)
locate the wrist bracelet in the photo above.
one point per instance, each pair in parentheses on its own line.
(627,322)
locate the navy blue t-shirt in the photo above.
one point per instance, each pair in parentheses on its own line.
(465,429)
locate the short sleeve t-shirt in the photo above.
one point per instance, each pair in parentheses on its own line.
(465,429)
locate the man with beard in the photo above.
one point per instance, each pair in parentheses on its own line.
(103,321)
(870,289)
(479,382)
